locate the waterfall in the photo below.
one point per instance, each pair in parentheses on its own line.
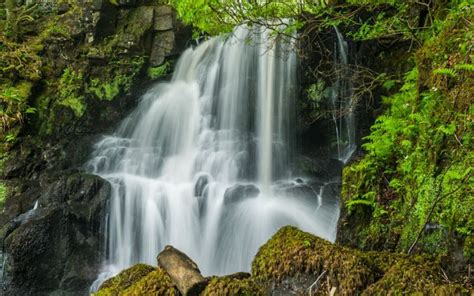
(341,97)
(203,162)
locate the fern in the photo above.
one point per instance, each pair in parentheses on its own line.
(465,67)
(363,202)
(446,72)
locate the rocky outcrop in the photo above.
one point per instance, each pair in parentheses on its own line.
(59,245)
(91,61)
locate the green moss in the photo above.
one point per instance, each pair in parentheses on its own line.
(105,90)
(126,278)
(70,91)
(158,72)
(412,276)
(291,253)
(228,286)
(156,282)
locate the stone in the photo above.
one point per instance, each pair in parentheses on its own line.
(58,247)
(163,22)
(162,46)
(200,185)
(240,192)
(182,271)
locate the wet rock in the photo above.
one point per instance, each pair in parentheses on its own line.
(164,18)
(200,185)
(58,247)
(300,190)
(240,192)
(163,45)
(182,271)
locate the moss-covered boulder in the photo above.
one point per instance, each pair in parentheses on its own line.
(125,279)
(156,282)
(292,260)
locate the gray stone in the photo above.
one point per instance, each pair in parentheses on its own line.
(240,192)
(163,45)
(163,22)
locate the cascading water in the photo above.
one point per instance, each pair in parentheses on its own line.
(203,162)
(342,100)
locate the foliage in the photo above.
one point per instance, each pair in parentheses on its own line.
(14,104)
(158,72)
(70,91)
(415,181)
(217,16)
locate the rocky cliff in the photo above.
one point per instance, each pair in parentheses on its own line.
(73,69)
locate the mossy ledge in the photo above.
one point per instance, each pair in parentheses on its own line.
(292,261)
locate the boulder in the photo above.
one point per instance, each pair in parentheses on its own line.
(182,271)
(125,279)
(240,192)
(163,45)
(58,247)
(292,261)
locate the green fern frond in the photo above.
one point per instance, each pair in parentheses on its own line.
(465,67)
(445,71)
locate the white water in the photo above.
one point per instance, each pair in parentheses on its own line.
(342,101)
(226,118)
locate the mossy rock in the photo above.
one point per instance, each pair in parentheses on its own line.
(229,286)
(125,279)
(292,260)
(292,254)
(156,282)
(416,276)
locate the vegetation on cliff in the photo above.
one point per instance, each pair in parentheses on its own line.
(413,188)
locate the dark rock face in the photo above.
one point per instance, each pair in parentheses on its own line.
(240,192)
(58,247)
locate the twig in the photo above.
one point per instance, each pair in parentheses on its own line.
(310,289)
